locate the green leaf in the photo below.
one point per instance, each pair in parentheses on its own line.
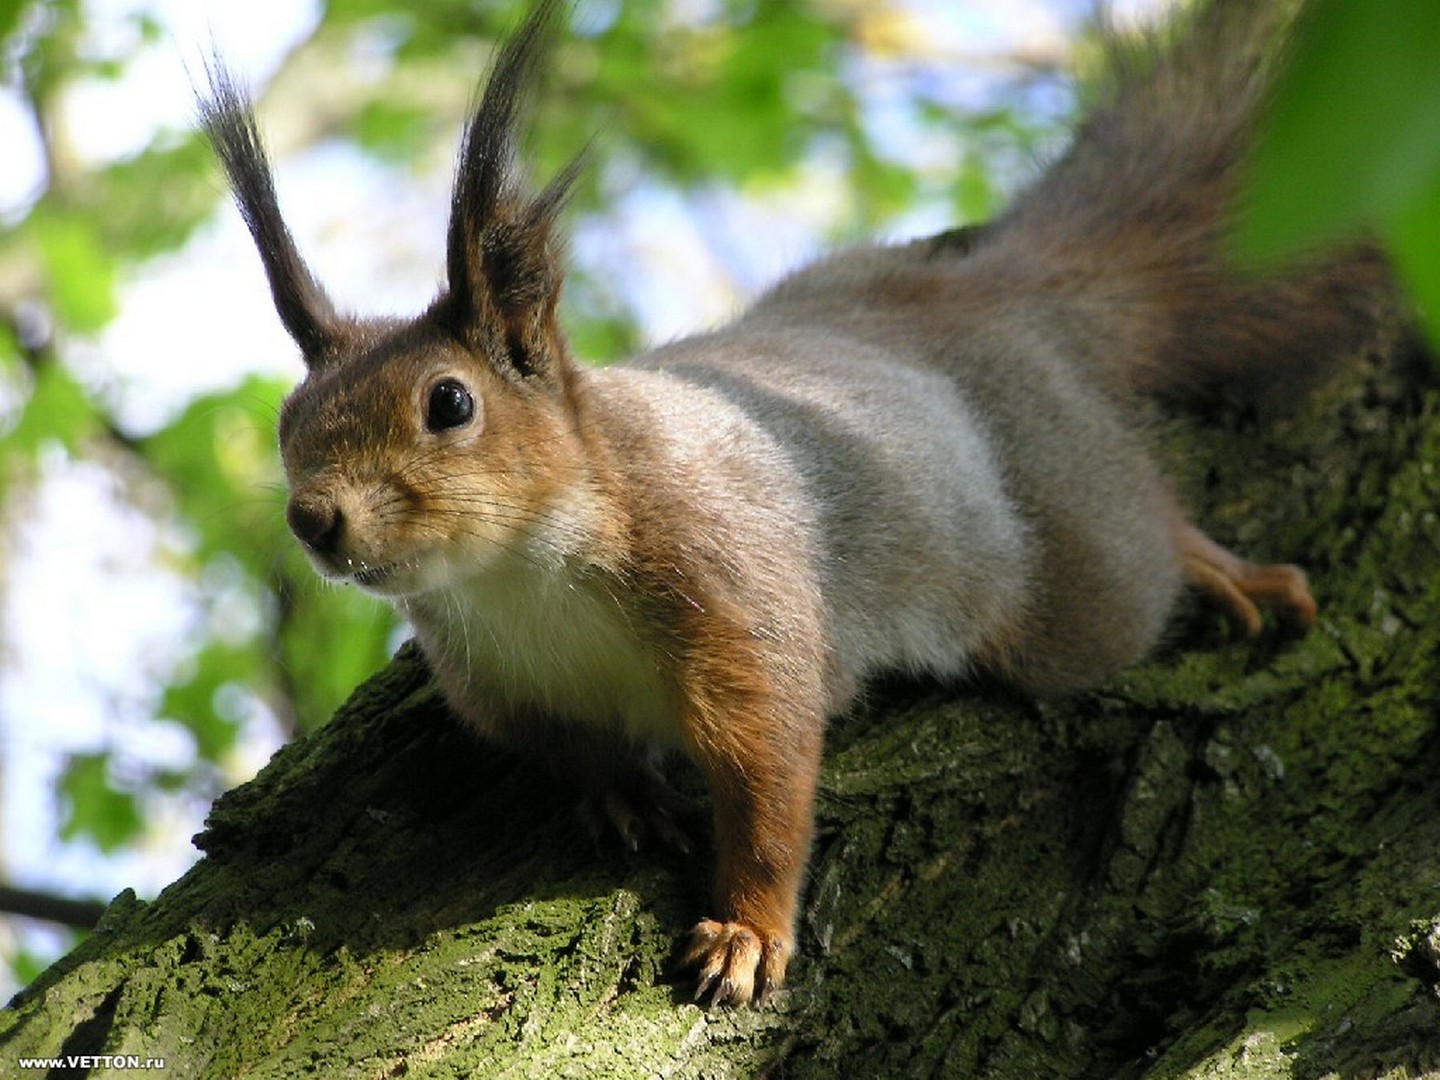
(132,216)
(1351,140)
(59,410)
(94,808)
(394,132)
(1414,239)
(26,966)
(194,703)
(79,272)
(10,16)
(975,192)
(332,641)
(220,458)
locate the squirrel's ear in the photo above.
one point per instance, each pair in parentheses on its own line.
(304,309)
(504,259)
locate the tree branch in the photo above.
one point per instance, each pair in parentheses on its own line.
(81,914)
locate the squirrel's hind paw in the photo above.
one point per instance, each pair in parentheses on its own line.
(1240,589)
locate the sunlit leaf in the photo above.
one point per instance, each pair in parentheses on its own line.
(221,459)
(25,965)
(975,193)
(93,808)
(10,16)
(122,198)
(195,703)
(394,132)
(59,410)
(79,272)
(333,639)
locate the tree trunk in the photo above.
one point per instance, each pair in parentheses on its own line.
(1225,862)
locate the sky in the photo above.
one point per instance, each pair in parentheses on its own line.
(90,618)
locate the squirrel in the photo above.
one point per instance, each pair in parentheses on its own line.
(928,457)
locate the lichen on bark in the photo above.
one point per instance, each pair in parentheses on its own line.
(1225,862)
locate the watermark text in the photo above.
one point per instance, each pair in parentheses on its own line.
(92,1061)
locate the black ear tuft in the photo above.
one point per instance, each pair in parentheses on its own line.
(503,260)
(305,310)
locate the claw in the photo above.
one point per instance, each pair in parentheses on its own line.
(704,986)
(592,820)
(641,806)
(725,994)
(623,818)
(1241,588)
(734,959)
(670,835)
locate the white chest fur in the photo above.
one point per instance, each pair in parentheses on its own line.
(527,637)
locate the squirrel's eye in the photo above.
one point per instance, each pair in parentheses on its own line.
(450,405)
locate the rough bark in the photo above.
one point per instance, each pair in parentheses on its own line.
(1225,862)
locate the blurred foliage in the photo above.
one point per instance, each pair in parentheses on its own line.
(1352,142)
(26,965)
(740,97)
(93,805)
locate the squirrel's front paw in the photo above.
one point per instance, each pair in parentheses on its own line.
(643,807)
(735,962)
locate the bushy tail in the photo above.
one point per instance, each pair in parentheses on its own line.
(1128,230)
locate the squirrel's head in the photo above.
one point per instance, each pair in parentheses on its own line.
(415,448)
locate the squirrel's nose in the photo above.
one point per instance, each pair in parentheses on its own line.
(317,523)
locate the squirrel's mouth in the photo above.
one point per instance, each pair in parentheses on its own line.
(360,572)
(369,576)
(388,580)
